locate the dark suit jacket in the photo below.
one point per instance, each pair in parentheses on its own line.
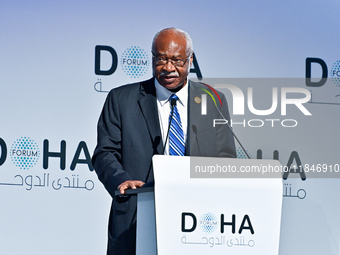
(129,135)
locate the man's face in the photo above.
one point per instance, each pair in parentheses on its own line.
(170,45)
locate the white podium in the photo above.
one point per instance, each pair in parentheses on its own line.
(194,209)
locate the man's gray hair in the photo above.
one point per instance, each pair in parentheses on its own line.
(187,37)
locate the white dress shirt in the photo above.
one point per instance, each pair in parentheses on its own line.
(164,110)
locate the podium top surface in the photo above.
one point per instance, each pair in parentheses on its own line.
(135,191)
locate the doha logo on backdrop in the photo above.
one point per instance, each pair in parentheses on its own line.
(25,154)
(135,61)
(334,72)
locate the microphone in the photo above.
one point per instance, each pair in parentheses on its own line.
(229,127)
(173,104)
(231,130)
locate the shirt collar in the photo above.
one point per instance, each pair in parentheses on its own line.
(163,94)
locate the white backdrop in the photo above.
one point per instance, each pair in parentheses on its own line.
(48,92)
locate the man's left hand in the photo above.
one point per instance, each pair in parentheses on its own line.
(129,185)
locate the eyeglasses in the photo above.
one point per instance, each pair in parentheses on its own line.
(159,61)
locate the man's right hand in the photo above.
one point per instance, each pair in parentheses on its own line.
(129,185)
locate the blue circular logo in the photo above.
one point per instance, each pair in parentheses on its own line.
(135,62)
(208,223)
(240,153)
(25,153)
(335,73)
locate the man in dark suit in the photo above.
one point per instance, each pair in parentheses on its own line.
(134,123)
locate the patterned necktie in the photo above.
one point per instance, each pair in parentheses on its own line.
(176,137)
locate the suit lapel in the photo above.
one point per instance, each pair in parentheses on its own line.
(148,105)
(193,118)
